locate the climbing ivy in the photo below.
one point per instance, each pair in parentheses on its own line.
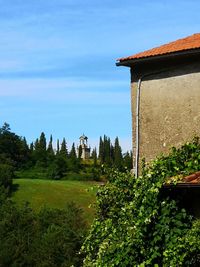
(137,225)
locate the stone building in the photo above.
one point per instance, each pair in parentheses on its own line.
(83,148)
(165,96)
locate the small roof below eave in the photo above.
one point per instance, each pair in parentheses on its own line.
(181,45)
(192,180)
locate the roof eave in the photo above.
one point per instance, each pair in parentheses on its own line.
(181,185)
(131,62)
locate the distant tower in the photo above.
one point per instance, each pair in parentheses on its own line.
(85,150)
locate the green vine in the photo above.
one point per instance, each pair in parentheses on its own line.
(136,225)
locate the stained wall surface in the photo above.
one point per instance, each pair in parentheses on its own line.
(169,109)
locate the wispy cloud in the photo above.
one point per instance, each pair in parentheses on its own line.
(70,91)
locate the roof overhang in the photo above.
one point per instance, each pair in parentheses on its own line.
(181,185)
(153,59)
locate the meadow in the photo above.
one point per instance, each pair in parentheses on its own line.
(56,194)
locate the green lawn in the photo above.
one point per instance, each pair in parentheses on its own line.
(56,194)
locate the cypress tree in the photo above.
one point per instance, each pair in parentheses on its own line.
(107,154)
(112,153)
(42,142)
(31,147)
(25,151)
(50,151)
(72,153)
(94,156)
(63,149)
(118,162)
(40,153)
(74,162)
(101,150)
(50,146)
(36,145)
(58,147)
(128,160)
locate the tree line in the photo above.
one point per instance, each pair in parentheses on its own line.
(112,156)
(57,162)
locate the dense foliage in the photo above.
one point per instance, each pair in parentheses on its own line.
(111,155)
(138,225)
(6,176)
(51,238)
(13,149)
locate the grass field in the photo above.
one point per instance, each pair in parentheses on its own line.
(56,194)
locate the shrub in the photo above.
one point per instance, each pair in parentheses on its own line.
(51,238)
(6,176)
(57,169)
(137,225)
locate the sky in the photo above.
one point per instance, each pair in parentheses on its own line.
(57,67)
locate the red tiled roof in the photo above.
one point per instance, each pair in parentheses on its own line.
(188,43)
(190,180)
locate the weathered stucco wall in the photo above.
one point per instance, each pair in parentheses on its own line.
(169,109)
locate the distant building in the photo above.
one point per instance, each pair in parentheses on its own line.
(83,149)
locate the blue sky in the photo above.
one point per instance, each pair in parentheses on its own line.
(57,68)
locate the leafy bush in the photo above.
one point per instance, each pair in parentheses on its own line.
(32,173)
(137,225)
(51,238)
(6,176)
(57,169)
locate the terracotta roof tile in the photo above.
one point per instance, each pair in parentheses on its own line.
(190,180)
(188,43)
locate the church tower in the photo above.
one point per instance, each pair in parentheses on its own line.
(85,150)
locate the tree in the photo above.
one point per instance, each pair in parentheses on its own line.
(5,128)
(128,160)
(74,162)
(63,149)
(12,147)
(117,155)
(60,244)
(42,142)
(58,147)
(72,153)
(58,168)
(41,151)
(6,176)
(52,237)
(25,151)
(36,144)
(107,150)
(101,150)
(94,156)
(50,146)
(50,151)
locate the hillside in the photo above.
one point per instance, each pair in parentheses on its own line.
(56,194)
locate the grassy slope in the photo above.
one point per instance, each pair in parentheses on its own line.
(56,194)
